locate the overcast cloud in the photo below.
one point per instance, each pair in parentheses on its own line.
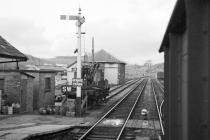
(132,30)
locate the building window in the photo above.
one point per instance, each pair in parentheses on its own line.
(2,85)
(47,84)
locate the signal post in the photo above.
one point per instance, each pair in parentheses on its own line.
(79,21)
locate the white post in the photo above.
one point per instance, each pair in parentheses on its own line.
(78,96)
(79,56)
(80,20)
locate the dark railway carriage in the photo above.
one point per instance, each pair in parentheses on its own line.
(186,46)
(160,75)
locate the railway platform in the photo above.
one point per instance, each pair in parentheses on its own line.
(23,126)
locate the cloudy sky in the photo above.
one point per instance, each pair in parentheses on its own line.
(131,30)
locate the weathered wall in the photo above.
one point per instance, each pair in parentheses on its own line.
(198,23)
(11,86)
(187,74)
(111,73)
(41,97)
(35,90)
(19,89)
(29,98)
(46,97)
(177,90)
(166,94)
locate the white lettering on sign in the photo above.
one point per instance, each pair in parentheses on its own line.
(65,88)
(77,82)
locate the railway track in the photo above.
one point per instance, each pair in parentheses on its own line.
(116,116)
(124,120)
(145,126)
(158,100)
(121,88)
(160,94)
(128,110)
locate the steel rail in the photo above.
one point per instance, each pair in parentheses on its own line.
(160,86)
(161,108)
(126,86)
(89,130)
(132,109)
(154,93)
(127,83)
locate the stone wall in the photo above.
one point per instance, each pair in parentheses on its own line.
(18,89)
(46,97)
(11,86)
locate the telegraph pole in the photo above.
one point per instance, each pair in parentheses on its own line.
(79,21)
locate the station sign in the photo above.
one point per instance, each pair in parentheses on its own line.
(65,88)
(77,82)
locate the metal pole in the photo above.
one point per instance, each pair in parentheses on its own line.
(80,20)
(93,50)
(78,96)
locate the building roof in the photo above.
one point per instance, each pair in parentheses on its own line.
(101,56)
(30,71)
(28,75)
(10,52)
(71,64)
(45,68)
(19,71)
(83,63)
(177,23)
(104,57)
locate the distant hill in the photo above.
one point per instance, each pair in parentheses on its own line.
(158,67)
(35,61)
(38,61)
(133,71)
(60,60)
(63,60)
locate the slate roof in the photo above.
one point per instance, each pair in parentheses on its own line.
(10,52)
(101,56)
(104,56)
(71,64)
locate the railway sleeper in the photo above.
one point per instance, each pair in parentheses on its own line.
(102,137)
(104,133)
(98,139)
